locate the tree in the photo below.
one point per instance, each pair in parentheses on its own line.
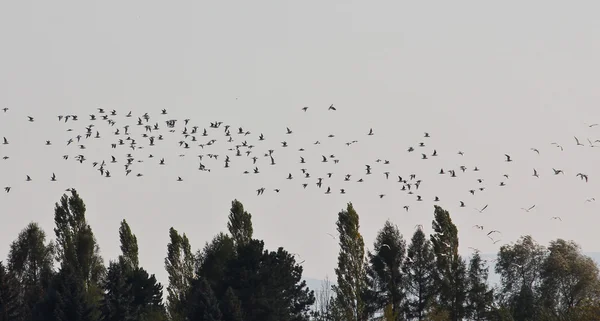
(179,264)
(30,260)
(213,260)
(76,291)
(479,297)
(268,284)
(384,272)
(519,266)
(240,223)
(67,299)
(450,269)
(231,306)
(147,296)
(130,292)
(9,296)
(203,305)
(118,298)
(569,279)
(419,267)
(351,275)
(323,302)
(129,246)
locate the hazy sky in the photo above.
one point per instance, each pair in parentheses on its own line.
(484,78)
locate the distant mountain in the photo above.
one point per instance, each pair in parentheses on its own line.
(494,279)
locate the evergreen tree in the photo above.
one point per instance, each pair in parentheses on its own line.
(118,298)
(213,260)
(9,296)
(450,267)
(268,284)
(179,264)
(479,297)
(30,260)
(231,307)
(351,276)
(384,272)
(203,305)
(67,299)
(240,223)
(147,296)
(419,267)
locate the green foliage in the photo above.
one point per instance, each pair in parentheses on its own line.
(9,296)
(385,277)
(351,275)
(231,306)
(129,246)
(568,279)
(419,267)
(480,298)
(240,223)
(449,275)
(234,277)
(202,303)
(179,264)
(30,260)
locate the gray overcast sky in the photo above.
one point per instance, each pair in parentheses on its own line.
(484,78)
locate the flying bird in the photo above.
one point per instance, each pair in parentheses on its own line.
(528,209)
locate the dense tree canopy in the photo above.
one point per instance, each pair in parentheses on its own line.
(235,278)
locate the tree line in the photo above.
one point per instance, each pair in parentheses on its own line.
(235,278)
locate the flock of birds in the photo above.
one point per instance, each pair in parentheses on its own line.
(145,132)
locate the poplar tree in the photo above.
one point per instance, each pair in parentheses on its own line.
(351,276)
(450,269)
(240,223)
(179,264)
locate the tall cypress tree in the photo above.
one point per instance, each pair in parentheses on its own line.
(351,275)
(419,267)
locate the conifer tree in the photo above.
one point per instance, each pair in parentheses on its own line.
(118,298)
(479,297)
(203,305)
(384,272)
(213,260)
(450,267)
(9,296)
(179,264)
(351,276)
(240,223)
(231,307)
(419,267)
(30,260)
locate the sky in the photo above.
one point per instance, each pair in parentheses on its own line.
(486,79)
